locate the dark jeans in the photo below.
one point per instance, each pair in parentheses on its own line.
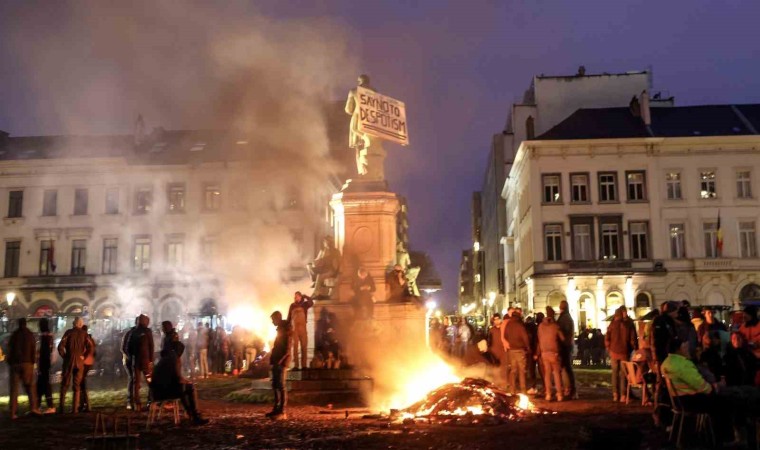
(188,399)
(44,388)
(23,373)
(130,380)
(278,386)
(568,377)
(84,399)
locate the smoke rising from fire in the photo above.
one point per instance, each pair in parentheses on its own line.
(93,66)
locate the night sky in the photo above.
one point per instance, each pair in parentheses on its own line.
(459,66)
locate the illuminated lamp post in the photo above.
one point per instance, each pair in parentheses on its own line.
(10,297)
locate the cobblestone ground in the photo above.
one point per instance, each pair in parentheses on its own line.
(593,421)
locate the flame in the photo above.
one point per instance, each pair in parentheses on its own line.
(255,320)
(524,403)
(426,374)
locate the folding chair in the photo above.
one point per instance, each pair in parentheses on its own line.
(635,378)
(703,421)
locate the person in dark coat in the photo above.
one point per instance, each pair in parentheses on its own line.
(21,352)
(740,364)
(126,360)
(496,349)
(167,380)
(43,366)
(567,327)
(89,361)
(532,328)
(279,358)
(74,349)
(141,348)
(397,285)
(364,288)
(621,341)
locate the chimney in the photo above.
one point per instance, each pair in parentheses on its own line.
(645,112)
(581,71)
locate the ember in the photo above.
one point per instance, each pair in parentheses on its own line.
(473,400)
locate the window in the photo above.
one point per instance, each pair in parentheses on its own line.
(12,256)
(582,241)
(747,240)
(607,187)
(743,184)
(673,183)
(551,189)
(47,257)
(553,241)
(141,254)
(176,198)
(112,201)
(610,240)
(636,186)
(78,256)
(50,202)
(143,200)
(710,230)
(643,300)
(639,240)
(80,202)
(579,187)
(707,184)
(175,250)
(677,241)
(212,197)
(110,255)
(15,203)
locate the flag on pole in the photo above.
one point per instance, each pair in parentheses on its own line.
(719,238)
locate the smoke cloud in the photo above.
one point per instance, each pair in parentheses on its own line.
(93,66)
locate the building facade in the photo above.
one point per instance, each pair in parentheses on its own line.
(634,206)
(547,101)
(114,226)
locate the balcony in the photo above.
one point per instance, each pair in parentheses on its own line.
(47,281)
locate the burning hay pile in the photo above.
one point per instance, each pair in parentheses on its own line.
(471,401)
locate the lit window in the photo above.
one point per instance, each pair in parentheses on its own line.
(707,184)
(176,198)
(212,197)
(677,241)
(636,188)
(610,240)
(710,231)
(143,200)
(673,182)
(141,255)
(551,189)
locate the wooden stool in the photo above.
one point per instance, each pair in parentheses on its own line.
(102,434)
(156,408)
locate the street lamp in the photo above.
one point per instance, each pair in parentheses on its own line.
(10,297)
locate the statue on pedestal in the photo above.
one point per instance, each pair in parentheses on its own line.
(324,269)
(370,153)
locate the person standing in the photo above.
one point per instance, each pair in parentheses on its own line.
(364,289)
(550,345)
(141,349)
(21,350)
(620,341)
(496,348)
(74,349)
(279,359)
(567,327)
(750,329)
(532,328)
(126,360)
(89,361)
(43,367)
(519,347)
(297,318)
(203,337)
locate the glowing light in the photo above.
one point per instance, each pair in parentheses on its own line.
(425,373)
(476,246)
(524,402)
(430,305)
(255,320)
(10,297)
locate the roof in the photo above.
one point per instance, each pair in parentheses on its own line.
(682,121)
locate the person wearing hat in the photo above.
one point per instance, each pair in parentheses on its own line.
(297,318)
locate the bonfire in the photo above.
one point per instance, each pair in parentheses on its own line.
(473,400)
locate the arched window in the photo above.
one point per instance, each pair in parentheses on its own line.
(530,128)
(643,300)
(554,298)
(750,292)
(614,301)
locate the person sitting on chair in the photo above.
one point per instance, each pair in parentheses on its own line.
(167,381)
